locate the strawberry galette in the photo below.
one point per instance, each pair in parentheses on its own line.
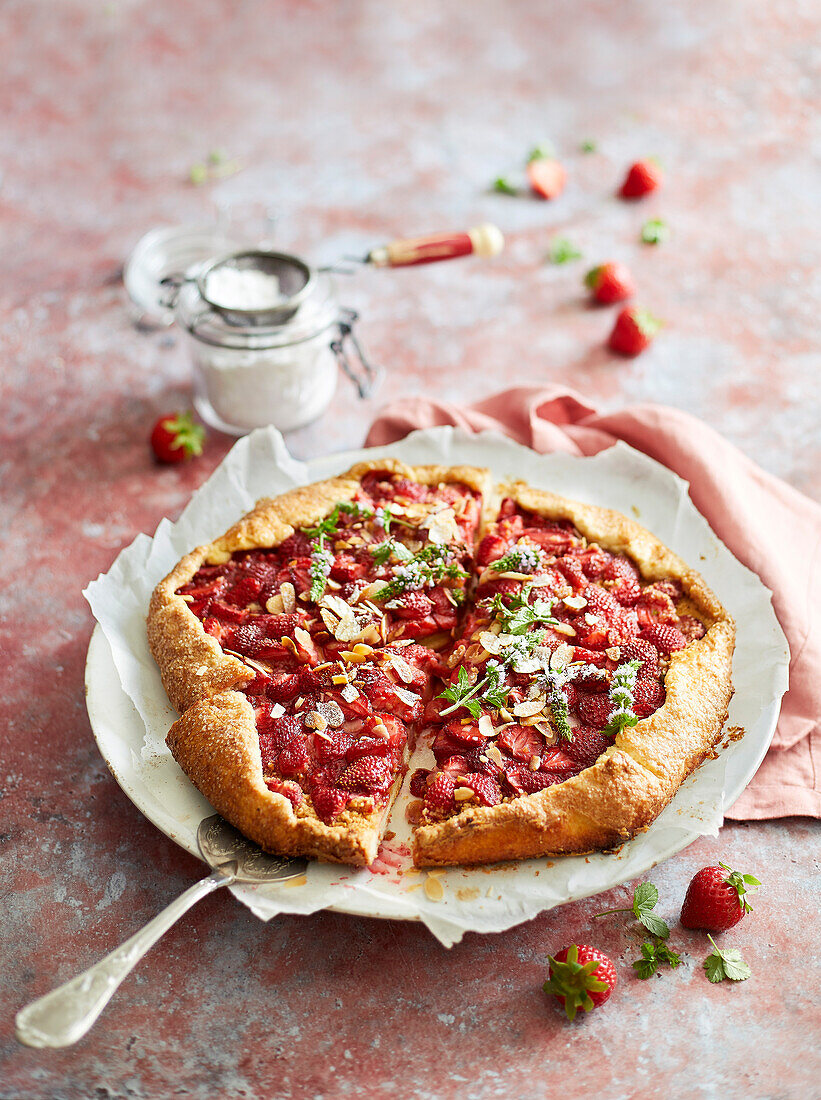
(567,670)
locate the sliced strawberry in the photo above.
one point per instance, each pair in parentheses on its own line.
(559,761)
(594,562)
(637,649)
(587,745)
(648,695)
(487,790)
(294,759)
(226,612)
(439,794)
(412,605)
(666,639)
(371,774)
(347,568)
(455,765)
(242,593)
(521,742)
(595,710)
(292,791)
(332,745)
(467,734)
(524,781)
(329,802)
(368,746)
(554,540)
(571,569)
(491,548)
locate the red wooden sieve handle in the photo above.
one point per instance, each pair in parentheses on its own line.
(483,240)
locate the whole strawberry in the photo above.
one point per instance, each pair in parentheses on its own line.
(581,977)
(633,331)
(176,437)
(610,282)
(642,177)
(716,898)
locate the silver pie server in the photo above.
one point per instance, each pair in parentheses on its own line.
(63,1016)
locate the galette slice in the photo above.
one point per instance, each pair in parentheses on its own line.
(292,645)
(592,677)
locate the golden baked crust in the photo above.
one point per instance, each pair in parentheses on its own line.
(215,740)
(631,783)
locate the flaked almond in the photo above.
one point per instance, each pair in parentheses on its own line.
(441,527)
(363,648)
(289,644)
(562,655)
(591,620)
(314,720)
(372,633)
(331,712)
(491,642)
(302,636)
(340,678)
(566,629)
(409,698)
(534,763)
(575,603)
(529,708)
(275,605)
(351,658)
(403,670)
(462,794)
(492,752)
(486,726)
(505,713)
(511,575)
(347,629)
(349,692)
(434,889)
(329,619)
(614,652)
(288,594)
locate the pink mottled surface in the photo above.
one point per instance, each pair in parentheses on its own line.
(359,121)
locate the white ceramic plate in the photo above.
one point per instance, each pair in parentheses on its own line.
(118,672)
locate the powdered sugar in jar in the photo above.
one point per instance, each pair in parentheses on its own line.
(248,375)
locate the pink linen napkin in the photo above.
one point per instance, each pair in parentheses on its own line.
(770,527)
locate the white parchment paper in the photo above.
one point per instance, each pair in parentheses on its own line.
(130,712)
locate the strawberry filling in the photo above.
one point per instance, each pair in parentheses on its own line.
(331,620)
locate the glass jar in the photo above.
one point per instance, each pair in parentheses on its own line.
(247,377)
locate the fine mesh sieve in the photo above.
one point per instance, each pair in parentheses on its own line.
(295,277)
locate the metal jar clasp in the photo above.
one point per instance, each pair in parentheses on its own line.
(366,380)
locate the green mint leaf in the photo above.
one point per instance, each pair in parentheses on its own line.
(714,968)
(655,231)
(726,963)
(645,968)
(654,925)
(562,251)
(504,186)
(546,151)
(645,897)
(734,966)
(667,955)
(588,146)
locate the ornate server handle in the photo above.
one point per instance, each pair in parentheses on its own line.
(63,1016)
